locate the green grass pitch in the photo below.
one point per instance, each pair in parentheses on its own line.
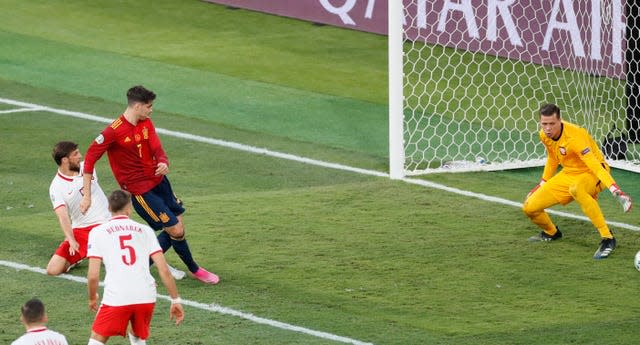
(352,255)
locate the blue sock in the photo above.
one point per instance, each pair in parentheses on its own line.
(165,243)
(182,249)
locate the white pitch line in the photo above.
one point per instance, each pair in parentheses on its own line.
(287,156)
(10,111)
(210,307)
(509,202)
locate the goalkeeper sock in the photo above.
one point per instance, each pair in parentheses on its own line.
(591,209)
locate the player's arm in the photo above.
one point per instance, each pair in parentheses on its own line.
(550,168)
(98,147)
(551,164)
(175,312)
(590,160)
(65,225)
(93,279)
(85,203)
(158,153)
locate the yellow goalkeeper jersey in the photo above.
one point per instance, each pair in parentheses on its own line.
(577,152)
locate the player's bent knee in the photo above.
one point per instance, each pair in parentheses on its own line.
(529,211)
(53,271)
(176,232)
(55,268)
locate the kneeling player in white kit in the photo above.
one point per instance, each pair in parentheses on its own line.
(66,193)
(125,246)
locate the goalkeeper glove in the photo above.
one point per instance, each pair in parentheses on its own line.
(622,198)
(536,188)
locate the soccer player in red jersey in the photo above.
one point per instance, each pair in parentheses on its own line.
(140,166)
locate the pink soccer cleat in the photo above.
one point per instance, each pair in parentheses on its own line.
(206,276)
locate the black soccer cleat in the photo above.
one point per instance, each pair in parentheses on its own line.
(607,245)
(544,237)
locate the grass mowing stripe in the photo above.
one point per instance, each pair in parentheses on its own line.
(305,160)
(210,307)
(201,139)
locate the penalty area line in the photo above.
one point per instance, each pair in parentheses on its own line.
(209,307)
(305,160)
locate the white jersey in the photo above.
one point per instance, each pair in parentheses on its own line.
(125,247)
(67,191)
(41,336)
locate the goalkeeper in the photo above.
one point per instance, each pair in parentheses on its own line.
(584,174)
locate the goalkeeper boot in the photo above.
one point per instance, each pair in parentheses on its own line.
(544,237)
(607,245)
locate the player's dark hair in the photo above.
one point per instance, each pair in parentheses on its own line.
(33,311)
(118,200)
(550,109)
(139,94)
(63,149)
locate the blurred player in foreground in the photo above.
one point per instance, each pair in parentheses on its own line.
(125,246)
(34,318)
(584,174)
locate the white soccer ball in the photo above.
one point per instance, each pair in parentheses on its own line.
(636,261)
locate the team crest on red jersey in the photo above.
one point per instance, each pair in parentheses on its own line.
(563,151)
(145,133)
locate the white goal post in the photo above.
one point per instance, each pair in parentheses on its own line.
(467,77)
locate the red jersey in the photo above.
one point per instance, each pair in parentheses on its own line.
(134,153)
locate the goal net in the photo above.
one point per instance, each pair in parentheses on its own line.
(467,78)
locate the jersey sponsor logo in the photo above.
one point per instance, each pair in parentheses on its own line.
(99,139)
(563,151)
(127,139)
(585,151)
